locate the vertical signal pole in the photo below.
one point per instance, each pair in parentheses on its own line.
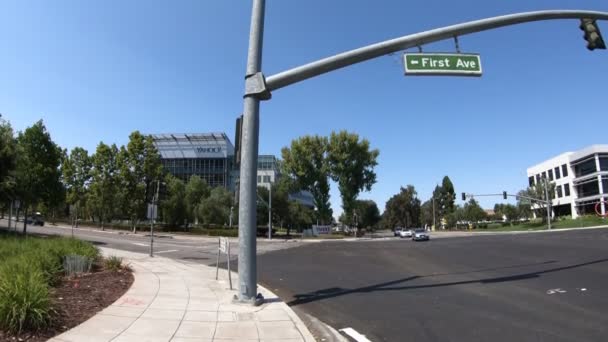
(250,134)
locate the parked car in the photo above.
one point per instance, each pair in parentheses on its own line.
(397,231)
(406,233)
(36,219)
(420,235)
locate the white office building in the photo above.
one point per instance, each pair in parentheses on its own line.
(581,180)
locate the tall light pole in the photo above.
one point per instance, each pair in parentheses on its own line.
(270,212)
(548,203)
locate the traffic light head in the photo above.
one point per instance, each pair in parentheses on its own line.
(592,34)
(464,196)
(504,194)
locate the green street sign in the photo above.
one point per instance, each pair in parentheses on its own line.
(457,64)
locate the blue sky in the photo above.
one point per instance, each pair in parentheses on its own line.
(97,70)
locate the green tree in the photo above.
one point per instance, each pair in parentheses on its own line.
(403,209)
(104,182)
(305,161)
(537,191)
(8,158)
(140,167)
(37,174)
(300,217)
(368,215)
(351,164)
(196,190)
(215,209)
(173,207)
(76,172)
(473,212)
(445,197)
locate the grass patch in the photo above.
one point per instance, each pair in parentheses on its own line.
(560,223)
(30,265)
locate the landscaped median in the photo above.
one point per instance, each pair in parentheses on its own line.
(49,285)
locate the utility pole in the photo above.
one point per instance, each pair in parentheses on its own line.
(270,212)
(548,203)
(10,215)
(434,223)
(153,212)
(231,209)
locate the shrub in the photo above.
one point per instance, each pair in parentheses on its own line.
(113,263)
(24,297)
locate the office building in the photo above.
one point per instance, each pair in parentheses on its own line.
(207,155)
(580,178)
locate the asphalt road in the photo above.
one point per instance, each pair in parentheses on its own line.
(524,287)
(191,248)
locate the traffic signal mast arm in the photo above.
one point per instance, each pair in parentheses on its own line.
(259,85)
(516,196)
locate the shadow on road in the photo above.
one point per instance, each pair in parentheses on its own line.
(338,291)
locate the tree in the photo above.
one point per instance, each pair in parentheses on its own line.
(473,212)
(351,164)
(37,174)
(173,207)
(104,182)
(444,196)
(537,191)
(368,214)
(8,158)
(403,209)
(196,191)
(426,212)
(305,161)
(215,209)
(139,166)
(299,217)
(76,173)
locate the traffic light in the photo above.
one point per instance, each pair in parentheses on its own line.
(592,34)
(464,196)
(504,194)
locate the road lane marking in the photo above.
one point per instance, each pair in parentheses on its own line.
(140,244)
(355,335)
(553,291)
(167,251)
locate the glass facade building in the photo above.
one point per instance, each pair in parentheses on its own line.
(208,155)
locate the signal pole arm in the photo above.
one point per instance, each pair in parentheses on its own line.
(351,57)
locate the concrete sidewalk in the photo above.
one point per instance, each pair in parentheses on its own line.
(182,301)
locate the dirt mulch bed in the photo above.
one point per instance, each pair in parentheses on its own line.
(78,299)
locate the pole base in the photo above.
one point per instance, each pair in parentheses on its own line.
(257,301)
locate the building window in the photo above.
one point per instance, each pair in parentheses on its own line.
(538,178)
(585,168)
(544,175)
(259,179)
(531,181)
(565,170)
(559,191)
(550,175)
(605,185)
(603,163)
(591,188)
(566,189)
(266,179)
(557,174)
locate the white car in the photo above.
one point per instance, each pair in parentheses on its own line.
(406,233)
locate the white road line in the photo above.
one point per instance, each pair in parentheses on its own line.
(355,335)
(168,251)
(140,244)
